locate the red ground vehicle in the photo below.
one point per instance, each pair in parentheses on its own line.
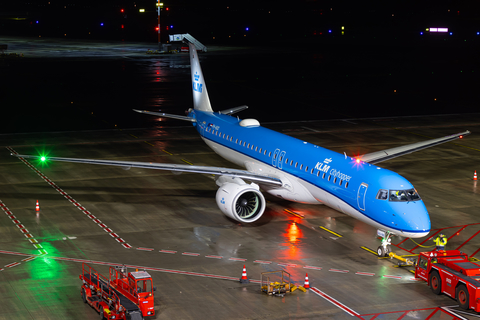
(451,273)
(122,295)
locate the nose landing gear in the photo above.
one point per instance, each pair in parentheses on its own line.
(384,249)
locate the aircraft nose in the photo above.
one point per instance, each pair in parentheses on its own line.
(417,218)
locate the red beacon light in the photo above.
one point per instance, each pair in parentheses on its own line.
(357,160)
(461,137)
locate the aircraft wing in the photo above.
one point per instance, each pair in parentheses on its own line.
(169,167)
(379,156)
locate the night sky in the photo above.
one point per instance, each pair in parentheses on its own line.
(241,21)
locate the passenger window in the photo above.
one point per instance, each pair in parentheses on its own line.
(346,184)
(270,154)
(329,177)
(296,164)
(260,150)
(382,194)
(256,148)
(231,138)
(265,152)
(236,140)
(291,162)
(323,175)
(301,166)
(248,145)
(274,156)
(311,171)
(340,182)
(252,146)
(286,160)
(335,180)
(280,159)
(244,143)
(223,136)
(318,173)
(306,168)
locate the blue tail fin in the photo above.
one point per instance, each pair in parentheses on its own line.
(200,94)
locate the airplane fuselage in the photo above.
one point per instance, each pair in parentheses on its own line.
(312,174)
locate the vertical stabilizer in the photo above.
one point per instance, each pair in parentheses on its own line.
(200,95)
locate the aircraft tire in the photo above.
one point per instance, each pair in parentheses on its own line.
(380,251)
(435,282)
(463,297)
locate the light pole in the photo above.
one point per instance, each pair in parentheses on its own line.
(159,5)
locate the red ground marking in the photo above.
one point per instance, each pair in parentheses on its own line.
(102,225)
(313,267)
(456,233)
(168,251)
(12,265)
(97,221)
(468,240)
(475,252)
(262,262)
(405,312)
(287,265)
(120,240)
(364,273)
(214,257)
(237,259)
(393,277)
(113,234)
(28,259)
(190,254)
(108,230)
(145,249)
(337,270)
(126,245)
(335,302)
(19,225)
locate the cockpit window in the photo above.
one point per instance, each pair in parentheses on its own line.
(382,194)
(404,195)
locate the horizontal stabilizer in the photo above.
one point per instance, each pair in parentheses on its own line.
(233,110)
(166,115)
(387,154)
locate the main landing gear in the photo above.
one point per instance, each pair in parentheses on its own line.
(384,249)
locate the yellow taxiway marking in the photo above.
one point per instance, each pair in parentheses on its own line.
(370,250)
(187,162)
(149,143)
(167,152)
(294,213)
(332,232)
(133,136)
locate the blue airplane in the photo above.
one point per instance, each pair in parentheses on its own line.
(295,170)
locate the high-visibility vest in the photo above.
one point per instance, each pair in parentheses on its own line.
(440,241)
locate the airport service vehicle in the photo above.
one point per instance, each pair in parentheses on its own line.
(122,296)
(293,170)
(450,272)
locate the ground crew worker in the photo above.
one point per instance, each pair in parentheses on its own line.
(440,242)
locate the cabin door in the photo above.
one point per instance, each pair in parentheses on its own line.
(362,191)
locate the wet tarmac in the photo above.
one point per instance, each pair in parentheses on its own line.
(170,225)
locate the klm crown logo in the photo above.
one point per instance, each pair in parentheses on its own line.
(197,86)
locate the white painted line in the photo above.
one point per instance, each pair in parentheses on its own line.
(287,265)
(145,249)
(11,265)
(237,259)
(168,251)
(335,302)
(313,267)
(454,314)
(337,270)
(126,245)
(393,277)
(29,259)
(262,262)
(191,254)
(364,273)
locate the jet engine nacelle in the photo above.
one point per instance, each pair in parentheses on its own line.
(241,202)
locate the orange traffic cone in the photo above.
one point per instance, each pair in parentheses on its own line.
(475,175)
(37,207)
(244,278)
(307,284)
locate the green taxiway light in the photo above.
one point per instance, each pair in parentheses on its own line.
(43,158)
